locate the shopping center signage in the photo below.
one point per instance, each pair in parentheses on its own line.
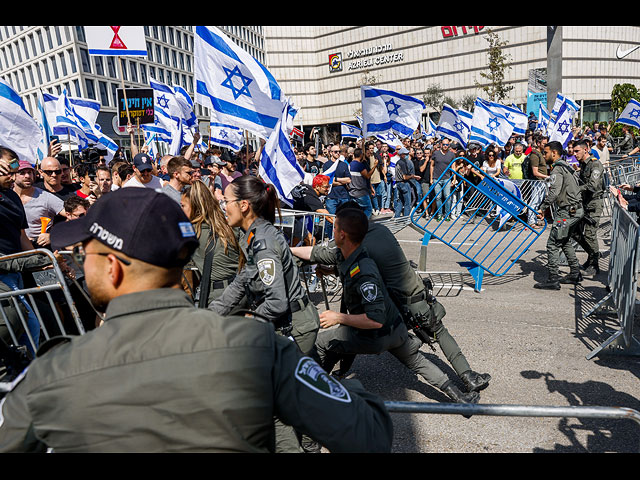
(458,31)
(366,57)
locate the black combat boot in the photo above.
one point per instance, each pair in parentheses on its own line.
(475,381)
(592,266)
(573,278)
(455,394)
(553,283)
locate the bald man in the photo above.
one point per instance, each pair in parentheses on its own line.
(51,172)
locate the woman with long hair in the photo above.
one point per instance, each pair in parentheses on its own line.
(216,237)
(271,275)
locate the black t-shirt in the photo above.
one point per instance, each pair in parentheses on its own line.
(13,220)
(308,201)
(66,191)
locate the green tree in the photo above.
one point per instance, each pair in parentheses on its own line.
(499,64)
(434,97)
(620,96)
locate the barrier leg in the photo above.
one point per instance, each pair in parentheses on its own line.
(422,262)
(476,272)
(615,345)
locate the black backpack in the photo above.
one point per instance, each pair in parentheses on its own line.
(527,173)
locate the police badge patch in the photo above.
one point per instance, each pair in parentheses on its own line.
(267,271)
(369,291)
(309,373)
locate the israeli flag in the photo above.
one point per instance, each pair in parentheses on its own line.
(19,131)
(84,108)
(514,115)
(452,126)
(631,114)
(384,110)
(513,189)
(237,89)
(86,132)
(560,100)
(173,109)
(489,126)
(226,136)
(430,131)
(278,164)
(390,138)
(349,131)
(544,120)
(562,128)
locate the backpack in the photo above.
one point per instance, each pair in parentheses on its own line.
(527,172)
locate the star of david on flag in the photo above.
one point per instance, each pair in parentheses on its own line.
(236,88)
(384,110)
(489,126)
(453,125)
(561,130)
(226,136)
(349,131)
(631,114)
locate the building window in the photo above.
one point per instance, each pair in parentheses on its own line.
(104,94)
(80,33)
(63,64)
(111,67)
(72,60)
(91,92)
(99,65)
(134,71)
(143,73)
(54,65)
(84,59)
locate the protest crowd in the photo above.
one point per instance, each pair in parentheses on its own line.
(185,280)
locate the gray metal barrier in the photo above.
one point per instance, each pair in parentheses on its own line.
(624,264)
(300,227)
(621,413)
(21,302)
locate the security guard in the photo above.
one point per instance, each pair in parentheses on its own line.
(592,188)
(371,323)
(270,278)
(407,291)
(564,192)
(161,375)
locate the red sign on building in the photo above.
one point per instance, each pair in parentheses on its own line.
(456,31)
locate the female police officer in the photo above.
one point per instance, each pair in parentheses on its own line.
(270,277)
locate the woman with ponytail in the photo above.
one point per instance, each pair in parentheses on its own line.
(270,277)
(219,256)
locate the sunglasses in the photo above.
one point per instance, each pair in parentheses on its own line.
(52,172)
(79,255)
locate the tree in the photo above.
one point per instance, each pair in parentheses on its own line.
(620,96)
(434,97)
(468,102)
(499,64)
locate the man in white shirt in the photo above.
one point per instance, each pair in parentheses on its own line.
(143,173)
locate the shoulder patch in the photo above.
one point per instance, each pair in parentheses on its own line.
(310,374)
(369,291)
(354,271)
(267,271)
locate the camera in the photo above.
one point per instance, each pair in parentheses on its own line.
(89,158)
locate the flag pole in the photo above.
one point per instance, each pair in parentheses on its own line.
(124,91)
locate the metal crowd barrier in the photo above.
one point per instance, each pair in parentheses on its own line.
(621,413)
(21,303)
(300,227)
(492,230)
(624,265)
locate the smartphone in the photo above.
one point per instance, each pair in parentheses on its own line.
(54,138)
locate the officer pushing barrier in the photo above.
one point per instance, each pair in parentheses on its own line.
(492,231)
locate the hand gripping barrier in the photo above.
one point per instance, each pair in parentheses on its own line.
(491,231)
(624,263)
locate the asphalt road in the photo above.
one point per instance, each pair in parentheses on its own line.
(534,343)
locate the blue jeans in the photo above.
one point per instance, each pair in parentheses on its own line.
(403,197)
(332,205)
(386,198)
(14,281)
(377,199)
(442,190)
(365,203)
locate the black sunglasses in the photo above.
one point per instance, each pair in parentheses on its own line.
(52,172)
(78,254)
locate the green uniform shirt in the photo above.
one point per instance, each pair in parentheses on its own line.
(164,376)
(563,188)
(592,178)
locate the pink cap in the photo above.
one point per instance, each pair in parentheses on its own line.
(23,164)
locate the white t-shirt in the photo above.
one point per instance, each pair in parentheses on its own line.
(154,183)
(42,204)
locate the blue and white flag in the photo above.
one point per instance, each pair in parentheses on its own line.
(19,131)
(349,131)
(85,108)
(631,114)
(173,111)
(544,120)
(560,100)
(452,126)
(390,138)
(513,189)
(237,89)
(87,133)
(514,115)
(489,126)
(562,128)
(278,164)
(226,136)
(384,110)
(430,131)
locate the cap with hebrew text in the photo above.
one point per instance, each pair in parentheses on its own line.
(139,222)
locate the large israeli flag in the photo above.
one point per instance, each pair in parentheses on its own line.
(278,164)
(349,131)
(631,114)
(560,100)
(237,89)
(384,110)
(85,108)
(562,128)
(19,131)
(489,126)
(514,115)
(390,138)
(453,126)
(226,136)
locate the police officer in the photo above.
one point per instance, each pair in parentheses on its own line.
(592,188)
(407,291)
(270,277)
(564,192)
(370,322)
(161,375)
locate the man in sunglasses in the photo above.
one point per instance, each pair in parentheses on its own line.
(51,172)
(160,374)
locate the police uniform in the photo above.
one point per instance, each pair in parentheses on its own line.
(363,292)
(592,189)
(161,375)
(408,292)
(271,281)
(564,192)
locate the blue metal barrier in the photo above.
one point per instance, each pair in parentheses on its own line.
(492,235)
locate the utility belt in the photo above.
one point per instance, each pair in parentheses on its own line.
(283,322)
(223,283)
(424,320)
